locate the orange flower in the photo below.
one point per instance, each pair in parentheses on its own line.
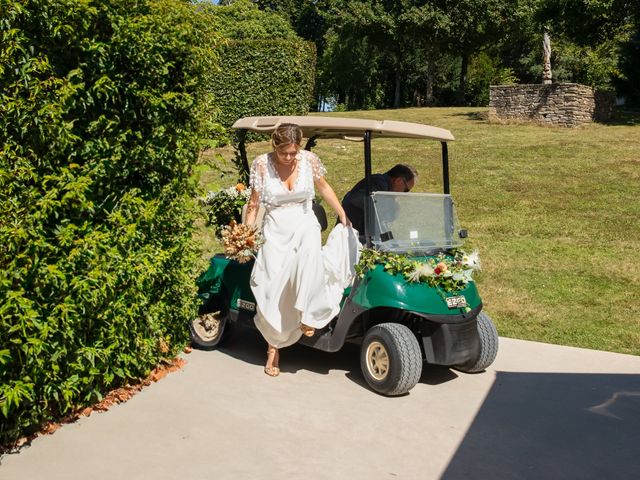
(440,268)
(240,187)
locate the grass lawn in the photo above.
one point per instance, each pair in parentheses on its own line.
(554,213)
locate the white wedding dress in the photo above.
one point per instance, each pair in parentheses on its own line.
(294,279)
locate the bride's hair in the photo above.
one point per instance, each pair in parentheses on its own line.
(286,134)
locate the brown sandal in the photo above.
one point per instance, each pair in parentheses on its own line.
(307,331)
(272,371)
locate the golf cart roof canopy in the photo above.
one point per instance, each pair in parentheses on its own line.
(347,128)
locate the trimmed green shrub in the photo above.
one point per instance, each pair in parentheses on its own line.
(485,70)
(264,77)
(101,108)
(243,20)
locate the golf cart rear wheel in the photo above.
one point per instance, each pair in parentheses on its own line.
(488,346)
(390,359)
(207,330)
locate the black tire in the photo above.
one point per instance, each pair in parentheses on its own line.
(488,346)
(208,330)
(390,359)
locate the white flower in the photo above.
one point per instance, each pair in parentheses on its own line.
(208,197)
(231,192)
(472,260)
(421,270)
(464,276)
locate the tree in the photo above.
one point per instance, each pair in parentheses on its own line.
(594,39)
(304,16)
(350,72)
(242,20)
(376,23)
(394,30)
(383,53)
(475,25)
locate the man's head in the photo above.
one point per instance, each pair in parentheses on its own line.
(403,177)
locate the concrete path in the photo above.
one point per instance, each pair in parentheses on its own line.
(541,411)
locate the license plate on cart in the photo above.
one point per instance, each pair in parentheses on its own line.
(457,302)
(246,305)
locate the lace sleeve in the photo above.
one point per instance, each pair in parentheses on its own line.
(317,168)
(257,175)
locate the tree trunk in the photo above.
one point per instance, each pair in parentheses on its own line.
(463,79)
(428,94)
(396,98)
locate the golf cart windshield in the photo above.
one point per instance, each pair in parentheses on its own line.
(419,223)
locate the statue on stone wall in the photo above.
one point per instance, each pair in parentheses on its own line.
(546,66)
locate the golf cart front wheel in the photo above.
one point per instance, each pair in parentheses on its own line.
(207,330)
(488,346)
(390,359)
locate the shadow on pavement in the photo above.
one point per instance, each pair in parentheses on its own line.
(248,346)
(548,426)
(436,374)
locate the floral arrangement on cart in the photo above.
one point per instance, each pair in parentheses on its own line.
(448,272)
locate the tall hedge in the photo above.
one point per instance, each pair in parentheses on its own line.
(101,107)
(264,77)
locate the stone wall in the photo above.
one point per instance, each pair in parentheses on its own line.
(564,104)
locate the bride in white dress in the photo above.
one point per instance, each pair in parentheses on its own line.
(297,283)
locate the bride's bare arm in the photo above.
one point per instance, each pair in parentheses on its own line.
(252,208)
(330,197)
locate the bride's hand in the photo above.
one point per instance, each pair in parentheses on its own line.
(344,220)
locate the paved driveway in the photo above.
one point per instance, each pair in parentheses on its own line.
(541,411)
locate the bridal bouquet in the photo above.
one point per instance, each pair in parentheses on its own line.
(241,242)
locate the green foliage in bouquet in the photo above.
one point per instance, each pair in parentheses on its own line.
(224,206)
(102,105)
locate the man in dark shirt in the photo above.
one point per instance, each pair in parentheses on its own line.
(401,178)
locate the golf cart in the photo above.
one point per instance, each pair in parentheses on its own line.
(400,324)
